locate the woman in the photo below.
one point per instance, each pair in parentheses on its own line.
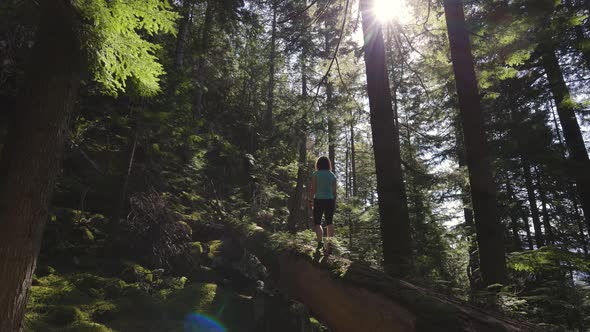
(323,191)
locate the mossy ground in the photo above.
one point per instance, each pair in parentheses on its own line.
(94,288)
(86,302)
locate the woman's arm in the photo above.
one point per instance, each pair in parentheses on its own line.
(334,189)
(312,189)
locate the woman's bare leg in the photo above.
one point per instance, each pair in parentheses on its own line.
(319,232)
(330,230)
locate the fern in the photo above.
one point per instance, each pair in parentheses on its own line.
(116,44)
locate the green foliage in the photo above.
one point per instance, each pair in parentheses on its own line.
(547,259)
(86,302)
(115,43)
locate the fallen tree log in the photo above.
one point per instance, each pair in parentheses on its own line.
(353,297)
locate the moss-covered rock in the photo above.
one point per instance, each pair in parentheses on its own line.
(86,327)
(187,228)
(204,274)
(194,298)
(316,326)
(103,311)
(87,235)
(215,249)
(196,249)
(136,273)
(64,315)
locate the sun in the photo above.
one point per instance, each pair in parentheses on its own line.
(391,10)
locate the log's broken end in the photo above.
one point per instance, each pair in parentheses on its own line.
(343,307)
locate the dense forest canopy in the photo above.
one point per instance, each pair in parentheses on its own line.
(135,135)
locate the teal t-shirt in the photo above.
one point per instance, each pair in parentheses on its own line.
(324,181)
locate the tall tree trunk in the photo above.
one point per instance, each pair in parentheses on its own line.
(353,158)
(393,205)
(581,39)
(123,195)
(544,212)
(297,198)
(566,110)
(516,242)
(185,21)
(490,234)
(31,156)
(347,170)
(570,188)
(202,55)
(271,69)
(527,228)
(578,218)
(331,126)
(526,170)
(473,271)
(295,213)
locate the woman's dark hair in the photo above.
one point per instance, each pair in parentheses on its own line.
(323,163)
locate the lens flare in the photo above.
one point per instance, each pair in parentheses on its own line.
(391,10)
(195,322)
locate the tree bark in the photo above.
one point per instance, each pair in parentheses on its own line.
(187,13)
(581,39)
(578,219)
(393,205)
(483,190)
(353,159)
(271,71)
(527,228)
(566,110)
(347,169)
(350,297)
(200,66)
(544,212)
(123,195)
(297,198)
(31,156)
(331,126)
(516,242)
(526,170)
(473,266)
(570,188)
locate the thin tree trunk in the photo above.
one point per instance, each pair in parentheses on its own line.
(187,13)
(331,126)
(353,159)
(200,67)
(295,213)
(516,242)
(297,201)
(347,170)
(581,39)
(31,156)
(526,170)
(527,228)
(566,110)
(393,205)
(473,271)
(123,195)
(271,71)
(544,212)
(489,230)
(570,188)
(578,218)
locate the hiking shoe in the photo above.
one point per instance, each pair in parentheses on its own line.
(328,247)
(320,245)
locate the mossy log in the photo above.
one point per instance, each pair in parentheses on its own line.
(348,296)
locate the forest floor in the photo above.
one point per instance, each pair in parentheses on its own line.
(79,286)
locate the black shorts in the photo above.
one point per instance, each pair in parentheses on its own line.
(321,207)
